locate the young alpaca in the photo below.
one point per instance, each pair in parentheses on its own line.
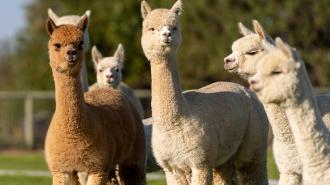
(247,52)
(91,133)
(109,75)
(200,130)
(297,98)
(74,20)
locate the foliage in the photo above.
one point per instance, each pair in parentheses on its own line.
(209,27)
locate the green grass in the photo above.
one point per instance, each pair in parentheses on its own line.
(24,180)
(36,161)
(16,161)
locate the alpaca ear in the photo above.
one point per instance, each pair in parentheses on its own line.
(52,15)
(50,26)
(87,13)
(283,47)
(96,55)
(258,29)
(82,25)
(120,55)
(145,9)
(177,8)
(244,30)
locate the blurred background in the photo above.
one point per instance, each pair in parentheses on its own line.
(208,28)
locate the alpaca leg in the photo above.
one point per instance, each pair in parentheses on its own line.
(290,179)
(132,175)
(60,178)
(99,178)
(201,176)
(176,178)
(225,174)
(252,173)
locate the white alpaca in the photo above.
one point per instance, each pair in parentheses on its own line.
(109,75)
(74,20)
(201,130)
(282,79)
(246,54)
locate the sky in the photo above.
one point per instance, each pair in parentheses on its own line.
(11,17)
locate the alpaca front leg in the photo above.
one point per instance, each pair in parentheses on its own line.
(201,176)
(60,178)
(174,178)
(290,179)
(100,178)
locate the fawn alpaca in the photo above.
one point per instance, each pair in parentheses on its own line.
(92,133)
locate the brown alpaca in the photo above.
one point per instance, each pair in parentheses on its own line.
(93,132)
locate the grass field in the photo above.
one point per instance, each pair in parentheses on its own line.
(35,162)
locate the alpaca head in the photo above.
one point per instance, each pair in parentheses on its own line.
(73,20)
(161,32)
(277,77)
(247,50)
(65,46)
(108,69)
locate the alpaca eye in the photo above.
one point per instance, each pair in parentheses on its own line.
(57,45)
(253,52)
(276,72)
(151,29)
(117,70)
(100,70)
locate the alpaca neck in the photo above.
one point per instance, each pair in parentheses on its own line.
(70,105)
(310,134)
(166,93)
(280,124)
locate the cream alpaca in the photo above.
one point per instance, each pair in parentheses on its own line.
(246,54)
(297,98)
(109,75)
(91,133)
(209,128)
(74,20)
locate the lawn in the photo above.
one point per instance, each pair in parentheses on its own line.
(35,161)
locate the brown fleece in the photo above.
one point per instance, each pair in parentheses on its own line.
(92,132)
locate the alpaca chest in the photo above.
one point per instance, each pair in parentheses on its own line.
(181,146)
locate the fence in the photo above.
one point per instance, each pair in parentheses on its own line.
(25,116)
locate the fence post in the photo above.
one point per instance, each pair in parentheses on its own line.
(28,121)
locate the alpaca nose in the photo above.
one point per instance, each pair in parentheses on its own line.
(72,52)
(229,60)
(109,76)
(253,82)
(167,34)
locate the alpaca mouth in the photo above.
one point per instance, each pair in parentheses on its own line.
(166,41)
(255,88)
(72,60)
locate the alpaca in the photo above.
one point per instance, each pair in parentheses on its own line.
(109,75)
(74,20)
(89,133)
(247,52)
(220,127)
(297,98)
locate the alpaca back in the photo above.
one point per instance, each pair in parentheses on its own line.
(122,120)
